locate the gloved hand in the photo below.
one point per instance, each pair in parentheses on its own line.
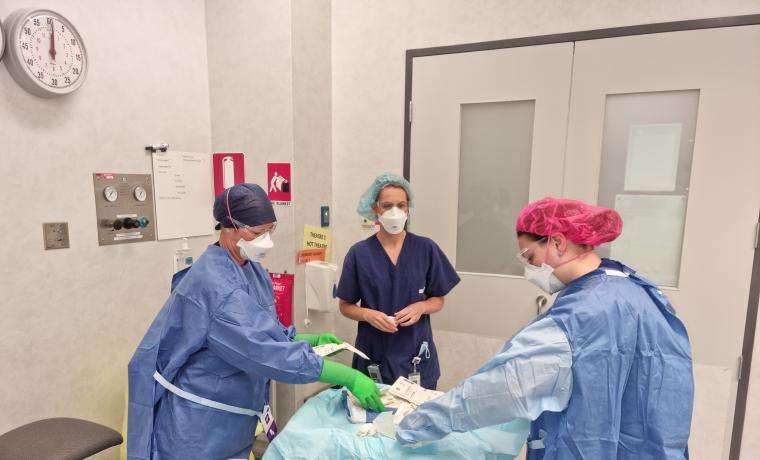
(317,339)
(361,386)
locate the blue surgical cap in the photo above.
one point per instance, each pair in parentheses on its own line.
(373,192)
(248,204)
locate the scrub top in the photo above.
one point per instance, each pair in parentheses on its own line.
(370,279)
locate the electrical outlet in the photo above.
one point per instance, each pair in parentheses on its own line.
(56,235)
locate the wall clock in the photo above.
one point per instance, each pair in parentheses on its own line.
(45,53)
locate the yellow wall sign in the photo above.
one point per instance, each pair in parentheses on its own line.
(317,238)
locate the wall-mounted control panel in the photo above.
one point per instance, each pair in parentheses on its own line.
(124,208)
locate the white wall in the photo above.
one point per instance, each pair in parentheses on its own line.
(368,45)
(72,318)
(269,78)
(250,82)
(312,156)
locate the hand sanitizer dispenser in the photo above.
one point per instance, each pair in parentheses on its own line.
(320,281)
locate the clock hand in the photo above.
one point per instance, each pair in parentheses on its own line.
(52,40)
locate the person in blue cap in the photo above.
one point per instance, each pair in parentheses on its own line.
(199,380)
(391,283)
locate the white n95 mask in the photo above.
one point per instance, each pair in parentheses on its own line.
(544,278)
(256,249)
(393,220)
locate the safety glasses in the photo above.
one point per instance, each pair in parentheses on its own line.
(522,255)
(258,229)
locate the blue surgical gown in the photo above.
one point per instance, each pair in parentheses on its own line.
(370,278)
(218,337)
(605,373)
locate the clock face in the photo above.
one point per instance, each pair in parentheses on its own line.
(46,53)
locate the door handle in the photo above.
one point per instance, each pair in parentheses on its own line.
(541,302)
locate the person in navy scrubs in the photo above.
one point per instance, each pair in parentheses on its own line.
(391,283)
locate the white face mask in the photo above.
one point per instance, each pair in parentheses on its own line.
(544,278)
(393,220)
(256,249)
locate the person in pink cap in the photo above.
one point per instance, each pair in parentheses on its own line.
(605,373)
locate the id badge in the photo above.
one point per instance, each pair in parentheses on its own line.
(415,377)
(374,373)
(270,427)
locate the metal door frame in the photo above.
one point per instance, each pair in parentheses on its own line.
(644,29)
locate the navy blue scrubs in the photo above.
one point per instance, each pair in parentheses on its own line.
(370,279)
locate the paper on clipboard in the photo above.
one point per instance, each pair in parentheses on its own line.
(184,191)
(652,160)
(330,348)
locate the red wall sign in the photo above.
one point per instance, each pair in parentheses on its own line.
(279,184)
(283,296)
(229,169)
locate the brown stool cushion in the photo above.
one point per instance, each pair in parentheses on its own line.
(57,439)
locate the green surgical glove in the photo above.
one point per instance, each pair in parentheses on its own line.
(361,386)
(317,339)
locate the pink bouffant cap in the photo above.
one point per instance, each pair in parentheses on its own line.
(581,223)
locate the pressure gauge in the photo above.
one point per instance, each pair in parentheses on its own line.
(140,193)
(45,55)
(110,193)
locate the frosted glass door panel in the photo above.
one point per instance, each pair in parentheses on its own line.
(494,183)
